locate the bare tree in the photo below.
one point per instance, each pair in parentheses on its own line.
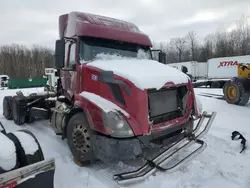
(191,39)
(17,61)
(179,44)
(243,33)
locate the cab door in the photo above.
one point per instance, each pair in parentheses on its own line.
(69,73)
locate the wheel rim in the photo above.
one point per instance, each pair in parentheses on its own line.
(231,92)
(81,139)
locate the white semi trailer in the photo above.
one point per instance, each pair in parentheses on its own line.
(198,70)
(220,70)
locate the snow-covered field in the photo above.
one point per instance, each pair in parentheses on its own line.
(220,165)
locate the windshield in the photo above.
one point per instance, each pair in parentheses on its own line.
(92,47)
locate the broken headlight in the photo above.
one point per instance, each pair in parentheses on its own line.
(115,125)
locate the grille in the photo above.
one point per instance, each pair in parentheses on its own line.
(166,104)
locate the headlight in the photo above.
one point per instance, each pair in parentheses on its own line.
(116,126)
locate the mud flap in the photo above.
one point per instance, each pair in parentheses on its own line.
(159,162)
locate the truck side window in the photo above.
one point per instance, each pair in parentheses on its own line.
(72,55)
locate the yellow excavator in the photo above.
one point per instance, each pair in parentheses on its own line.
(237,90)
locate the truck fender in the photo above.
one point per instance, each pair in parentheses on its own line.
(69,115)
(80,106)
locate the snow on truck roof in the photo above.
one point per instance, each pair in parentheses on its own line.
(86,24)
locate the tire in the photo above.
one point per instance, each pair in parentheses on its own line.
(18,118)
(215,85)
(7,158)
(224,87)
(2,129)
(39,154)
(235,93)
(29,119)
(79,139)
(7,107)
(23,158)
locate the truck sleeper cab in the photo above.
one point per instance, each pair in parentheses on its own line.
(103,64)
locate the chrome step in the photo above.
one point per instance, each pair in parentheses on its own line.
(160,160)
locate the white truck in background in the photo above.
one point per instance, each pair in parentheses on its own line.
(4,80)
(52,76)
(220,70)
(198,70)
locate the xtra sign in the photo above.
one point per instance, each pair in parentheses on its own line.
(228,64)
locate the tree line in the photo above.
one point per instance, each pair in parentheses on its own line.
(18,61)
(234,42)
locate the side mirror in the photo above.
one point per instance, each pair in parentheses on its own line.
(59,53)
(106,76)
(162,57)
(184,69)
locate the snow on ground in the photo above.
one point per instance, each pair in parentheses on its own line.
(220,164)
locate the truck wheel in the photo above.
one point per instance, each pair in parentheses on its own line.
(224,87)
(38,156)
(7,156)
(235,93)
(16,110)
(7,107)
(29,119)
(79,139)
(2,129)
(21,158)
(23,144)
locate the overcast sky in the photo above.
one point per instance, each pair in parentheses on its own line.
(36,22)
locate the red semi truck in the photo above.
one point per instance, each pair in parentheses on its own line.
(113,100)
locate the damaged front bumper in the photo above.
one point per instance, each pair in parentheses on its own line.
(109,149)
(159,162)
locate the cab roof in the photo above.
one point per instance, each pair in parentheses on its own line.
(86,24)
